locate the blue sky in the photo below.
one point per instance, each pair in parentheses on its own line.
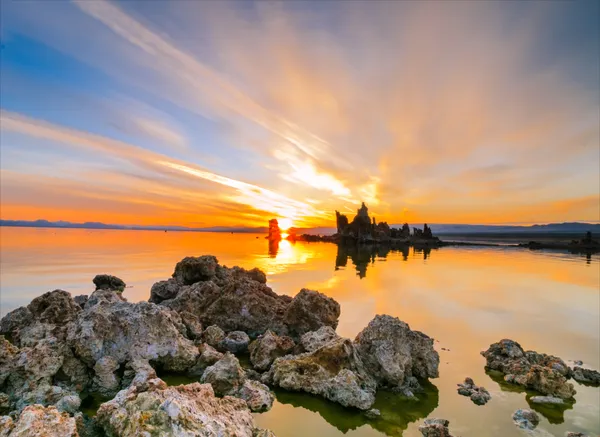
(233,112)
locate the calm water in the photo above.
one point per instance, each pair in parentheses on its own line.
(466,298)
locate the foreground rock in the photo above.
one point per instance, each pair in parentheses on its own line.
(311,341)
(526,419)
(236,299)
(479,395)
(334,371)
(109,334)
(109,282)
(546,374)
(269,346)
(228,379)
(435,428)
(395,355)
(190,409)
(36,420)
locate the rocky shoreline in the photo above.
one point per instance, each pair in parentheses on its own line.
(59,351)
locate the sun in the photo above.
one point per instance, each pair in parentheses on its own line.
(285,223)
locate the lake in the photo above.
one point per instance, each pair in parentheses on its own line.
(464,297)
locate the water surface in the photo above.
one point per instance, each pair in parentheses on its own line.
(464,297)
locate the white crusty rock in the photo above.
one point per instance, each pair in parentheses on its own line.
(36,420)
(226,376)
(309,311)
(334,371)
(127,331)
(267,347)
(185,410)
(393,353)
(311,341)
(257,395)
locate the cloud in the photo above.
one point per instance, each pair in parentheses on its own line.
(447,111)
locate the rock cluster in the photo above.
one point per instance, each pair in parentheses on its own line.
(58,350)
(585,376)
(479,395)
(546,374)
(435,428)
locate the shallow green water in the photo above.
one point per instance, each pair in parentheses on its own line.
(464,297)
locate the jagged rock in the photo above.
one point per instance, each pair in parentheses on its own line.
(4,404)
(313,340)
(435,428)
(546,400)
(190,409)
(479,395)
(235,342)
(309,311)
(257,395)
(543,373)
(335,371)
(586,376)
(104,296)
(192,324)
(127,331)
(14,321)
(73,372)
(106,382)
(208,356)
(8,354)
(526,419)
(238,303)
(267,347)
(81,300)
(109,282)
(164,290)
(56,307)
(373,413)
(36,420)
(392,352)
(226,376)
(213,336)
(195,269)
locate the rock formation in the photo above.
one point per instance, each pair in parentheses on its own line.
(435,428)
(526,419)
(546,374)
(479,395)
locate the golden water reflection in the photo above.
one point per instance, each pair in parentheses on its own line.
(464,297)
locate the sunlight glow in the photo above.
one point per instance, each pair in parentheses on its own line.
(285,223)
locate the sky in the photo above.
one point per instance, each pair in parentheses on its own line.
(205,113)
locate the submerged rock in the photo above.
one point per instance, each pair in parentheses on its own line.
(435,428)
(373,413)
(190,409)
(334,371)
(36,420)
(526,419)
(479,395)
(546,400)
(586,376)
(392,352)
(546,374)
(267,347)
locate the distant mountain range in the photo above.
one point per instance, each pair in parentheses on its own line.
(442,229)
(98,225)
